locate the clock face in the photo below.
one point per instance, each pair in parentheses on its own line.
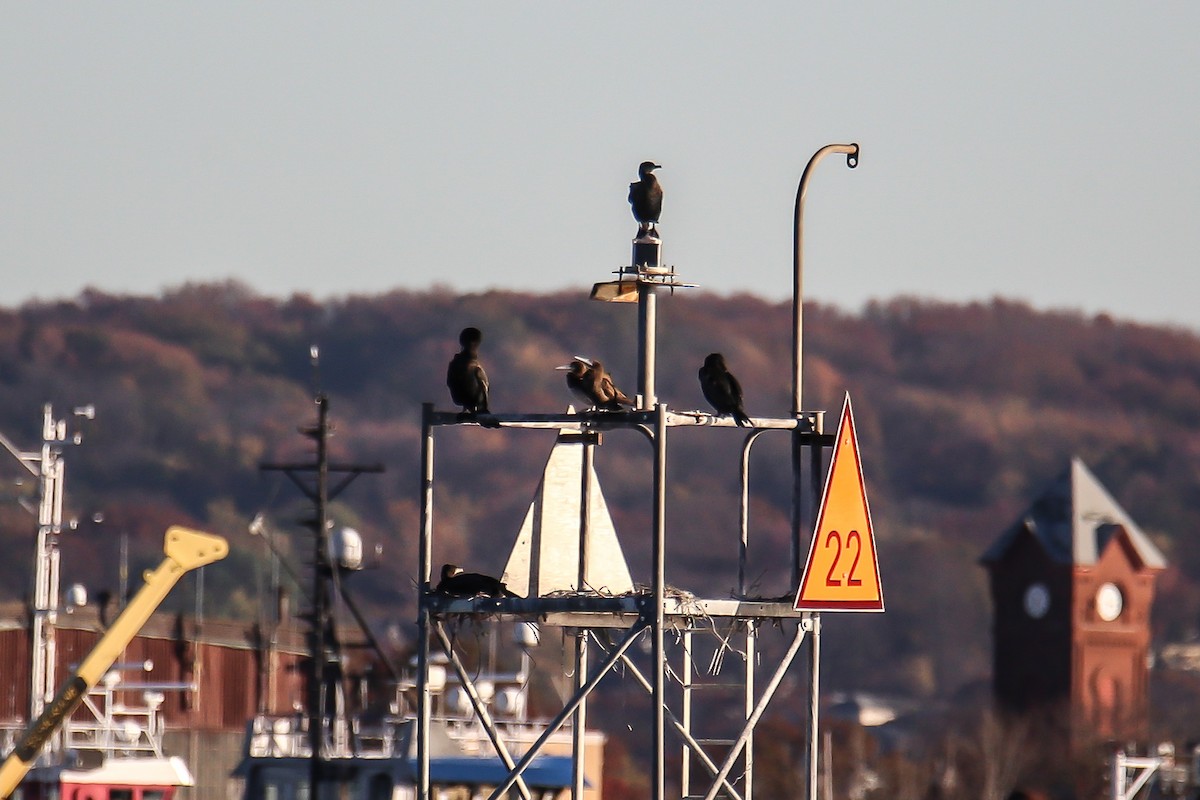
(1037,600)
(1109,602)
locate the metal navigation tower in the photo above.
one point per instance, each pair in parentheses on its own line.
(610,625)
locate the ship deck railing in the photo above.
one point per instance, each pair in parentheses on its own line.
(286,736)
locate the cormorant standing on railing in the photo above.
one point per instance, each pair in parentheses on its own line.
(456,583)
(645,198)
(465,377)
(721,389)
(577,373)
(588,380)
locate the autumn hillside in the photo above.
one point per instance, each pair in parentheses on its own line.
(963,412)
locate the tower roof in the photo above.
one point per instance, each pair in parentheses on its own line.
(1074,519)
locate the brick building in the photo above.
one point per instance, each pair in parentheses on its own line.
(1072,584)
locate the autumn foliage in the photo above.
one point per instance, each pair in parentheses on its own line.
(963,412)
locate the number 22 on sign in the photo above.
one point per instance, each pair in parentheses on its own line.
(842,573)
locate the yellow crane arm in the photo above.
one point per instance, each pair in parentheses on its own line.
(185,550)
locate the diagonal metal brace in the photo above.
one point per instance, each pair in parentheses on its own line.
(569,709)
(481,711)
(759,708)
(688,739)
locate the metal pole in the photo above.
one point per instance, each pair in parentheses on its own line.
(751,655)
(647,325)
(744,516)
(814,705)
(50,475)
(658,546)
(320,676)
(55,475)
(646,256)
(424,555)
(43,630)
(578,749)
(814,700)
(685,767)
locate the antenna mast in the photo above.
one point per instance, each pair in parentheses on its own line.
(324,678)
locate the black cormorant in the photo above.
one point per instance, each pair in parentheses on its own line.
(645,197)
(721,389)
(465,377)
(577,373)
(456,583)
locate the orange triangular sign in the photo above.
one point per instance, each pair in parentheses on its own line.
(842,573)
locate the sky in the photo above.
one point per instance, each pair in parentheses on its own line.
(1042,152)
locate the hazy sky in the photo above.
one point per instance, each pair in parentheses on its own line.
(1041,151)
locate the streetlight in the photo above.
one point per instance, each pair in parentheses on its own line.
(851,153)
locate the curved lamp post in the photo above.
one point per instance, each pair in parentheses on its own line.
(851,153)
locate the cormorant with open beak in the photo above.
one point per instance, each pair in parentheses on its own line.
(465,377)
(578,373)
(456,583)
(645,198)
(588,380)
(722,390)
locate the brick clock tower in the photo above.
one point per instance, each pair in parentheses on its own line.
(1072,582)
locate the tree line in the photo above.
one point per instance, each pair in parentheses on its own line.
(964,412)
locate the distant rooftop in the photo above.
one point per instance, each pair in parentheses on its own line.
(1074,519)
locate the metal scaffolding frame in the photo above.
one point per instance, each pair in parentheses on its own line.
(642,613)
(649,613)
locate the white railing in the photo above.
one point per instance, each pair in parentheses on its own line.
(120,729)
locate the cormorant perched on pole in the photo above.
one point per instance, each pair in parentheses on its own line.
(721,389)
(577,372)
(645,197)
(587,380)
(456,583)
(465,377)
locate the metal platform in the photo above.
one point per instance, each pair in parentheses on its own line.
(596,611)
(807,424)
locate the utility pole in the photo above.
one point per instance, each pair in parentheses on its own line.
(324,677)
